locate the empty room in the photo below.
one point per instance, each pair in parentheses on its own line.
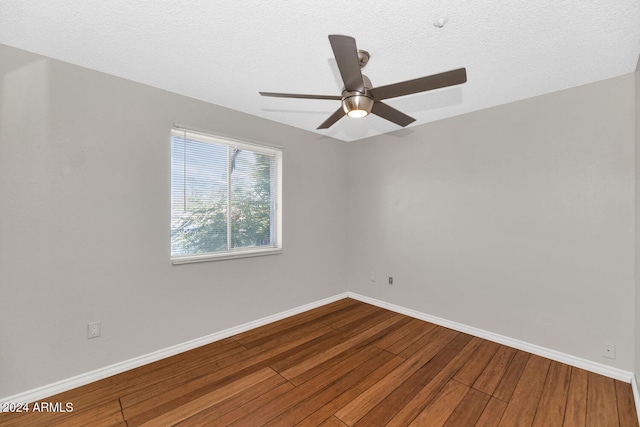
(319,213)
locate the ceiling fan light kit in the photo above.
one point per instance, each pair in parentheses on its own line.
(357,105)
(359,97)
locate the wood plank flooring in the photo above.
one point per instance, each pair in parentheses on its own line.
(347,364)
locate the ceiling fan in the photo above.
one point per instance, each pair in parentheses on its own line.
(359,97)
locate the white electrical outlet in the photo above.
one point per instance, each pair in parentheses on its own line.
(373,276)
(93,329)
(609,351)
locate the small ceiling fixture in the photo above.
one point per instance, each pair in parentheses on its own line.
(440,22)
(359,97)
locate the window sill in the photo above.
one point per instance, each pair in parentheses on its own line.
(189,259)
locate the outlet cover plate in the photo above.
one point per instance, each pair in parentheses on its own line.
(609,351)
(93,330)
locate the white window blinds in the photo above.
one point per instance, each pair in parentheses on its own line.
(225,197)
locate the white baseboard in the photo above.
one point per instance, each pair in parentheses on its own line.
(636,395)
(578,362)
(117,368)
(98,374)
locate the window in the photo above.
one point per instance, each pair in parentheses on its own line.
(225,198)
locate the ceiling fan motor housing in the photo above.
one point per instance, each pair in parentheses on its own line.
(355,101)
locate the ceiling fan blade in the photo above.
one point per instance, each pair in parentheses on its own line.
(388,112)
(297,95)
(337,115)
(346,54)
(422,84)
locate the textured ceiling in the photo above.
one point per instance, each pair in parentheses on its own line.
(225,51)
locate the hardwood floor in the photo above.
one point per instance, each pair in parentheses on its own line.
(347,364)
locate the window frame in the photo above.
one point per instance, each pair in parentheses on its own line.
(232,253)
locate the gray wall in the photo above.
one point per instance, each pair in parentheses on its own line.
(637,223)
(518,219)
(84,216)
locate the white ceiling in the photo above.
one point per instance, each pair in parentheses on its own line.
(225,51)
